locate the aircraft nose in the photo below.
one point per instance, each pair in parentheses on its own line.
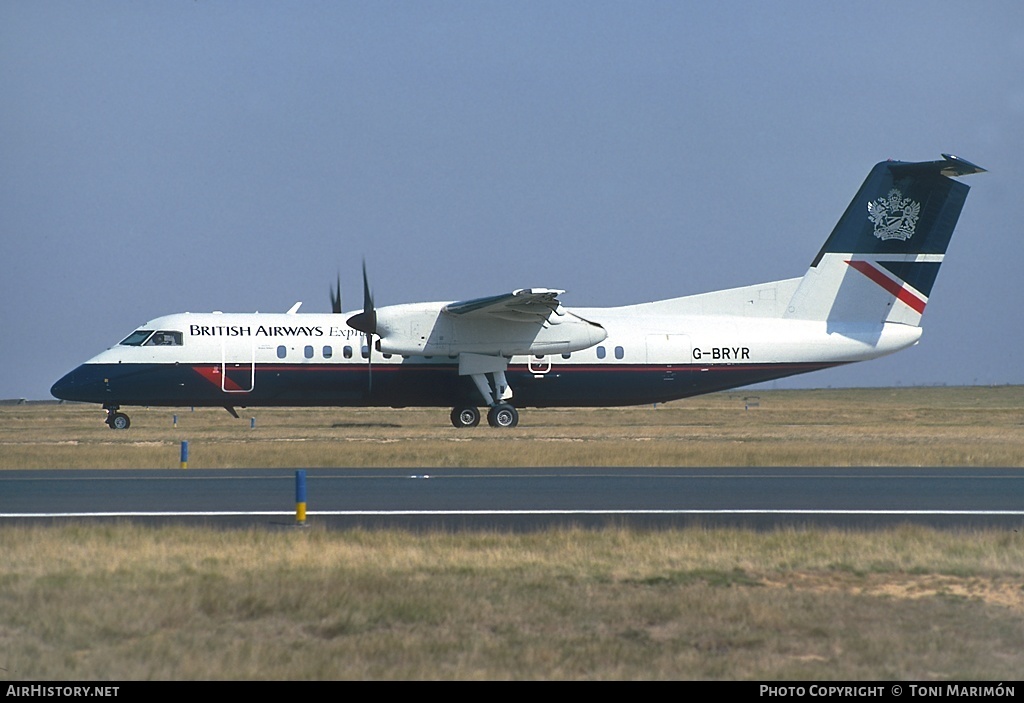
(71,386)
(63,387)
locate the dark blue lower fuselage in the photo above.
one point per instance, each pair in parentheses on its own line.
(401,385)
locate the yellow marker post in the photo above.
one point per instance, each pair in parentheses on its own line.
(300,497)
(184,454)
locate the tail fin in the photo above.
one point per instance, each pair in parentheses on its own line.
(882,258)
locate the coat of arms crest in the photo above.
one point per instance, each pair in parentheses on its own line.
(895,217)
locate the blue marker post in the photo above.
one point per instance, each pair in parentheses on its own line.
(184,454)
(300,497)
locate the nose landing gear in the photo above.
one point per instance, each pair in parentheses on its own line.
(116,420)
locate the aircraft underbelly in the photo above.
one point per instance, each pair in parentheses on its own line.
(640,384)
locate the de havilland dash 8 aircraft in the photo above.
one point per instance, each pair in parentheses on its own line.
(861,298)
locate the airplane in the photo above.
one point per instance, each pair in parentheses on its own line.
(862,297)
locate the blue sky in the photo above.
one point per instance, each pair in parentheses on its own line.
(159,157)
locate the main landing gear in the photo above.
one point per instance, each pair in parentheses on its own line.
(500,415)
(116,420)
(465,417)
(500,412)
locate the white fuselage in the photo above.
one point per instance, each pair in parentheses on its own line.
(653,352)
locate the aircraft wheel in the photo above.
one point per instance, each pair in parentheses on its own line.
(465,417)
(119,421)
(503,415)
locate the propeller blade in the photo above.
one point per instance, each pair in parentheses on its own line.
(367,295)
(365,321)
(369,365)
(371,314)
(336,297)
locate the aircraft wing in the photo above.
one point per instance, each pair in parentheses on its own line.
(523,305)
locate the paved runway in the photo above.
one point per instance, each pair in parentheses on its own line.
(524,499)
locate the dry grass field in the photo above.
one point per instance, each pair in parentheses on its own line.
(124,601)
(972,426)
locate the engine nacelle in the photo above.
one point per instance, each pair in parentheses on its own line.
(423,329)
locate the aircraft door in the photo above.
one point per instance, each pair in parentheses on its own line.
(237,376)
(668,351)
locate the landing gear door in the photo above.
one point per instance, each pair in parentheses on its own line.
(237,375)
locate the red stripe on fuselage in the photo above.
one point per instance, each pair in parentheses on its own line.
(901,293)
(213,374)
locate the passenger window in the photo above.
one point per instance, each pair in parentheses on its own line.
(308,352)
(600,352)
(566,355)
(328,352)
(347,352)
(366,352)
(282,351)
(387,356)
(619,352)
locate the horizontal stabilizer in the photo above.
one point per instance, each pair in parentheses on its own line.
(951,166)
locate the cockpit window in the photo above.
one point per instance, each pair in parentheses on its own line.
(164,338)
(136,338)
